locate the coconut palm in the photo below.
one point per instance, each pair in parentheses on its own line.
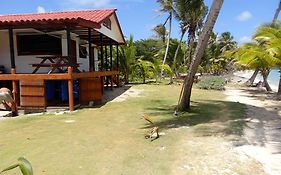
(160,31)
(184,100)
(195,14)
(253,77)
(167,7)
(270,37)
(226,42)
(127,57)
(256,56)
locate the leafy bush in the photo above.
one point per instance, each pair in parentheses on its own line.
(214,83)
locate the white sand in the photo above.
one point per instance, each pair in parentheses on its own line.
(129,93)
(263,130)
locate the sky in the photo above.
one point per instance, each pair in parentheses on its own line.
(138,17)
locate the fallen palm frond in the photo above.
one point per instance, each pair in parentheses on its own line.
(148,119)
(153,132)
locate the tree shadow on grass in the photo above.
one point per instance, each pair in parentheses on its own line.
(205,117)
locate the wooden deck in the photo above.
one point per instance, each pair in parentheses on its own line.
(30,89)
(56,76)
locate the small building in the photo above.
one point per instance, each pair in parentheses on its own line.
(56,58)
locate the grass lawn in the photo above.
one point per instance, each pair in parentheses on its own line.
(110,139)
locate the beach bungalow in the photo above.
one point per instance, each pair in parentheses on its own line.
(59,58)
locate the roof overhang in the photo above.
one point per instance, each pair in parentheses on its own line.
(78,25)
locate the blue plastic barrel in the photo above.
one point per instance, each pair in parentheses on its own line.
(50,90)
(64,90)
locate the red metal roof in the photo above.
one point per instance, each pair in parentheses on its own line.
(95,16)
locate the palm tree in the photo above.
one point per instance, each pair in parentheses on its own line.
(127,54)
(196,13)
(184,102)
(180,9)
(186,12)
(253,77)
(255,56)
(226,42)
(183,31)
(167,7)
(160,31)
(271,39)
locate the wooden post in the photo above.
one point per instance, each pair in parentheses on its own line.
(117,65)
(70,90)
(94,62)
(111,82)
(91,68)
(68,38)
(15,88)
(117,57)
(12,50)
(13,65)
(101,52)
(106,66)
(111,66)
(106,59)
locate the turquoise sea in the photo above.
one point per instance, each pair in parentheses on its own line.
(273,79)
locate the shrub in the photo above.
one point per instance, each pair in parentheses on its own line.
(214,83)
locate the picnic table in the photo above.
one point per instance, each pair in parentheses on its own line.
(55,62)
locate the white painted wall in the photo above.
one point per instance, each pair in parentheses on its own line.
(23,63)
(114,33)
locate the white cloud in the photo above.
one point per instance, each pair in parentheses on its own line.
(41,9)
(244,16)
(245,39)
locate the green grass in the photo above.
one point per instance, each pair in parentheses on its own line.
(110,139)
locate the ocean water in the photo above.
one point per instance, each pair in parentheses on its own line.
(273,78)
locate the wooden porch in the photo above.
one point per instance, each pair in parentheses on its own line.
(30,90)
(61,35)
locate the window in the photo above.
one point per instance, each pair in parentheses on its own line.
(38,45)
(83,52)
(107,23)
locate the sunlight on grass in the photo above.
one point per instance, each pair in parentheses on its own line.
(110,139)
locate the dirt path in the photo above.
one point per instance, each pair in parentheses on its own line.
(263,130)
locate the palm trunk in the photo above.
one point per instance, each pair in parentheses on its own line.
(126,78)
(265,74)
(176,55)
(279,87)
(252,79)
(202,44)
(276,13)
(167,47)
(190,42)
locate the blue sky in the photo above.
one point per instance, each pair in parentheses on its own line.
(137,17)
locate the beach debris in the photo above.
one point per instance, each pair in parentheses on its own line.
(153,132)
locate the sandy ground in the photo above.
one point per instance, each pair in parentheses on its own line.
(263,130)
